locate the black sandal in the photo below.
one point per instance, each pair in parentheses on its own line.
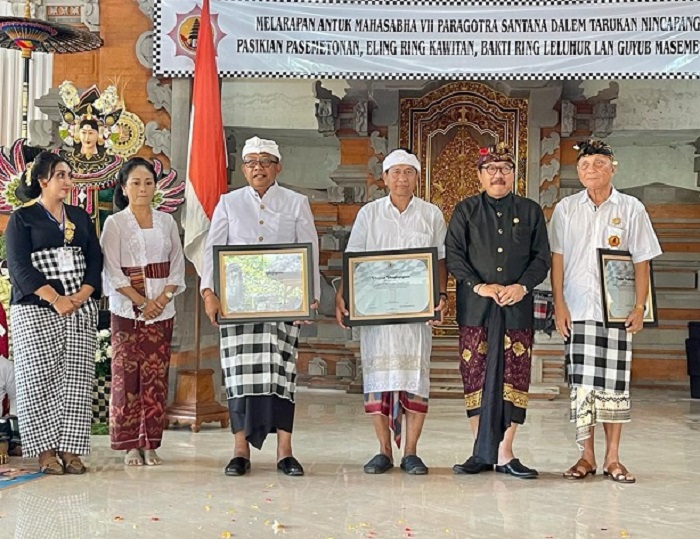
(413,465)
(379,464)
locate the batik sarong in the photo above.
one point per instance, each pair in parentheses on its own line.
(139,393)
(517,352)
(598,367)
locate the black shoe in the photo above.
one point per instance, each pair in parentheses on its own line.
(237,466)
(517,469)
(413,465)
(473,465)
(290,466)
(379,464)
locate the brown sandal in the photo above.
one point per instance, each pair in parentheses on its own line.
(49,465)
(574,472)
(619,473)
(72,464)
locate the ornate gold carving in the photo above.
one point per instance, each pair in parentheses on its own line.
(445,128)
(453,175)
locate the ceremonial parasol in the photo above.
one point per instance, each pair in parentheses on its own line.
(29,35)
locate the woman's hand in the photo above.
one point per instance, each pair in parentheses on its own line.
(151,310)
(65,306)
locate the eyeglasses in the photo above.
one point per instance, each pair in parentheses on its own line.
(263,162)
(492,169)
(596,163)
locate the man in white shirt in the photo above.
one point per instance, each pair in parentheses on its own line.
(7,388)
(259,360)
(396,358)
(598,359)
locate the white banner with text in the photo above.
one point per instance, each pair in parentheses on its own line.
(404,39)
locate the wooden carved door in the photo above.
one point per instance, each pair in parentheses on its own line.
(445,128)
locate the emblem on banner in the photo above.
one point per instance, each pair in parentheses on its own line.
(186,30)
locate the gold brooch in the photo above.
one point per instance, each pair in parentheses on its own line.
(69,231)
(614,241)
(616,221)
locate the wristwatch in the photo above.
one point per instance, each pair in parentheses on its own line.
(525,288)
(169,295)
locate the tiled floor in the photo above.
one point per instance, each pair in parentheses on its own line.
(190,497)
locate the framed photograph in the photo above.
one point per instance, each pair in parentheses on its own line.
(618,289)
(264,283)
(391,287)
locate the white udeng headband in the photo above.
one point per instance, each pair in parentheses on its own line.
(400,157)
(259,145)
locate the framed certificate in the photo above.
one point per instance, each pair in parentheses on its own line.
(264,283)
(391,287)
(618,289)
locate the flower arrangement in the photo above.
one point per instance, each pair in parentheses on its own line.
(103,354)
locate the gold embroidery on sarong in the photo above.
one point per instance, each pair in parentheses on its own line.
(519,349)
(473,400)
(506,342)
(518,398)
(483,347)
(467,355)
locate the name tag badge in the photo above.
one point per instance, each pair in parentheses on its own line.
(65,260)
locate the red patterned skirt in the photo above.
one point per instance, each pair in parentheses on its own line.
(140,361)
(473,347)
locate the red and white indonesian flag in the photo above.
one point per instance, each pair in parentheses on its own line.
(206,170)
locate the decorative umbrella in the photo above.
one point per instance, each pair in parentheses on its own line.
(29,35)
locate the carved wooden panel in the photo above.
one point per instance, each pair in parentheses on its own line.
(445,128)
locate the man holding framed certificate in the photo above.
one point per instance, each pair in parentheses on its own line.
(498,252)
(396,357)
(587,229)
(271,232)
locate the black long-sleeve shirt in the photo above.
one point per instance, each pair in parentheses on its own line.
(501,241)
(30,230)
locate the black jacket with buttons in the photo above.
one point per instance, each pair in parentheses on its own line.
(500,241)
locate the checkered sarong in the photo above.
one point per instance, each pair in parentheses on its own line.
(259,359)
(598,358)
(598,365)
(55,365)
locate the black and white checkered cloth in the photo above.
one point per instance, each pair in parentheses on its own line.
(259,359)
(55,366)
(599,358)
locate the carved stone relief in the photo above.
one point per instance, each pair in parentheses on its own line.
(326,110)
(146,6)
(161,95)
(158,139)
(144,49)
(568,118)
(603,116)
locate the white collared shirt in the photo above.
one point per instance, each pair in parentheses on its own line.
(578,229)
(125,244)
(380,226)
(242,217)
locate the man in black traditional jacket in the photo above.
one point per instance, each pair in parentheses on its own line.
(498,252)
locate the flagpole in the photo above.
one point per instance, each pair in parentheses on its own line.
(197,326)
(195,397)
